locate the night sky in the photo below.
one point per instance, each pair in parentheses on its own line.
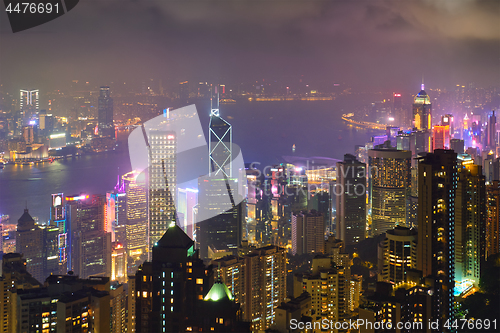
(367,44)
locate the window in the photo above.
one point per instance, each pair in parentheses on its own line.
(199,281)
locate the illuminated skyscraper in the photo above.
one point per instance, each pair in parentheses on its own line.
(105,113)
(492,131)
(136,208)
(257,281)
(308,232)
(89,242)
(470,222)
(492,218)
(441,137)
(422,111)
(390,181)
(437,184)
(399,254)
(187,199)
(162,182)
(169,287)
(29,101)
(224,230)
(350,192)
(29,242)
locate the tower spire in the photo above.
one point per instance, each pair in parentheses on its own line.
(422,86)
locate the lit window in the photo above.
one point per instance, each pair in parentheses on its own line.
(144,294)
(199,281)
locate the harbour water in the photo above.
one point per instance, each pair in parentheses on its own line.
(265,131)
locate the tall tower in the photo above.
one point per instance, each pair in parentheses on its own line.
(493,218)
(437,185)
(350,192)
(29,242)
(29,99)
(170,285)
(222,232)
(422,111)
(136,208)
(390,181)
(492,131)
(162,183)
(220,143)
(470,222)
(105,112)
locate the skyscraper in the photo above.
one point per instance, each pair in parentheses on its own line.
(437,184)
(470,222)
(89,242)
(399,254)
(441,137)
(162,182)
(390,182)
(492,131)
(105,112)
(350,192)
(29,242)
(400,114)
(29,101)
(492,218)
(308,232)
(136,208)
(258,283)
(168,287)
(224,230)
(422,111)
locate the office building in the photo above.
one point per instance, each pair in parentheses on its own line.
(106,126)
(221,210)
(350,191)
(162,182)
(441,137)
(399,254)
(437,185)
(492,131)
(457,145)
(308,232)
(29,242)
(29,101)
(89,242)
(390,183)
(118,263)
(168,288)
(136,215)
(422,111)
